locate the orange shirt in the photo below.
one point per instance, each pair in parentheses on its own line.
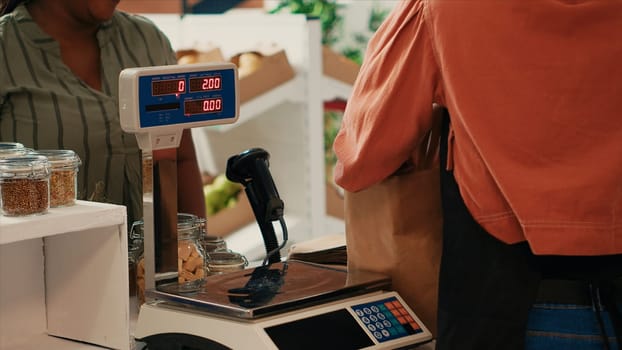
(534,90)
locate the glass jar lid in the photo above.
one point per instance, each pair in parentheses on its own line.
(186,220)
(11,145)
(226,258)
(188,226)
(60,158)
(27,166)
(12,149)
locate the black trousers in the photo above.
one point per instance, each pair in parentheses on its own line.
(487,287)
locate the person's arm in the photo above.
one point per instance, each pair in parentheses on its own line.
(389,112)
(190,197)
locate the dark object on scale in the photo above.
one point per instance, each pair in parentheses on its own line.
(251,169)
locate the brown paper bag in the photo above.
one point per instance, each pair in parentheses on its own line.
(395,227)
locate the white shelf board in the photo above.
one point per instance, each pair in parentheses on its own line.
(335,89)
(83,215)
(292,90)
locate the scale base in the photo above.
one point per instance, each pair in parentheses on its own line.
(347,324)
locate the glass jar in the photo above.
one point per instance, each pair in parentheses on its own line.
(64,165)
(225,261)
(190,253)
(12,149)
(136,246)
(11,145)
(213,244)
(208,243)
(24,185)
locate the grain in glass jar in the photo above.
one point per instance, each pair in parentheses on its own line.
(24,185)
(64,165)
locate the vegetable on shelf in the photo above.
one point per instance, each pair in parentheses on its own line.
(220,194)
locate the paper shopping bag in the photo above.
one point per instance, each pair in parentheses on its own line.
(395,227)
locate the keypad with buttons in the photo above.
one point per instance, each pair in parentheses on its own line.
(386,319)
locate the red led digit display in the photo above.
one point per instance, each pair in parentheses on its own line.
(168,87)
(202,106)
(206,83)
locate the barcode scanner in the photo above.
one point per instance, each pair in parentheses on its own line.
(251,169)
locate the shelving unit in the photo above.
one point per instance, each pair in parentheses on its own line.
(287,121)
(335,89)
(65,279)
(290,91)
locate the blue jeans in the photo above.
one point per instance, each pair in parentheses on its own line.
(567,327)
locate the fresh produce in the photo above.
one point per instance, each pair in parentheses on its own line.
(220,194)
(247,63)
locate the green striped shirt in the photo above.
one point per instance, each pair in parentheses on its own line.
(45,106)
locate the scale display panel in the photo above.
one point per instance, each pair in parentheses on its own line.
(159,102)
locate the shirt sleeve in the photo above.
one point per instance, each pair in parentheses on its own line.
(158,43)
(390,109)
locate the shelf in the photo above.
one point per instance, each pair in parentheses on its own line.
(82,216)
(335,89)
(65,279)
(291,91)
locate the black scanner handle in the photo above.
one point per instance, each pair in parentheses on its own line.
(251,169)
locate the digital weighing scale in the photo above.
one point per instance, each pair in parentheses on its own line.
(280,305)
(157,103)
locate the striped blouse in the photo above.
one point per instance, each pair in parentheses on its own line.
(45,106)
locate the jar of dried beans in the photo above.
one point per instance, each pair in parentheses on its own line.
(64,165)
(24,185)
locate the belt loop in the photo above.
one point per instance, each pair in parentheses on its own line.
(595,297)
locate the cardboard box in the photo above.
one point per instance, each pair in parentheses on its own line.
(229,220)
(274,69)
(196,56)
(338,66)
